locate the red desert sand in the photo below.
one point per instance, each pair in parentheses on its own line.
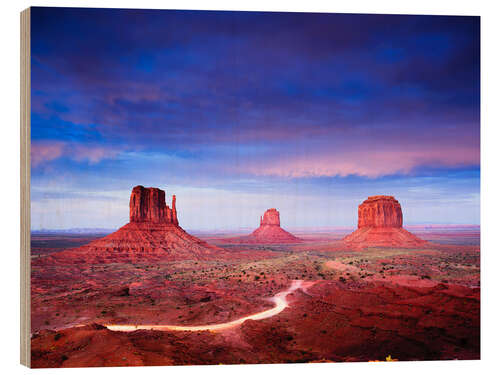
(151,294)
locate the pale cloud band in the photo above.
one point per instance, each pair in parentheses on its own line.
(366,163)
(46,151)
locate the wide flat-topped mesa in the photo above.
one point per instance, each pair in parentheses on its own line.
(380,211)
(380,223)
(153,233)
(148,205)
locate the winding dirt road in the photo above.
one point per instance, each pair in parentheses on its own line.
(279,299)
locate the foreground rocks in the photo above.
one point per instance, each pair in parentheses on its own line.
(380,224)
(332,322)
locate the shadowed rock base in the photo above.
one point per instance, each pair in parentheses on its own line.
(272,234)
(383,237)
(138,242)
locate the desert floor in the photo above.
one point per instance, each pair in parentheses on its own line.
(410,304)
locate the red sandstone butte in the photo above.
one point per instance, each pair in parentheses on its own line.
(153,233)
(380,224)
(269,231)
(271,217)
(148,205)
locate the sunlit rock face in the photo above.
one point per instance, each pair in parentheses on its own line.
(380,224)
(271,217)
(148,205)
(380,211)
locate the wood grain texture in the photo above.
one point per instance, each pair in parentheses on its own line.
(25,188)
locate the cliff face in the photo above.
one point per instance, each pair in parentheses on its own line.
(147,205)
(380,211)
(271,217)
(380,224)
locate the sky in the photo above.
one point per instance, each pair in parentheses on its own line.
(238,112)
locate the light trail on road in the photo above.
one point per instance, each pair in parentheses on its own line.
(279,299)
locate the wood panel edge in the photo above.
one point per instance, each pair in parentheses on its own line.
(25,147)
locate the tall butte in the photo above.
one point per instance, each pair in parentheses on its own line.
(270,230)
(380,223)
(153,233)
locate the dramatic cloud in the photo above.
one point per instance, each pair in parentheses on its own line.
(46,151)
(252,103)
(368,163)
(92,154)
